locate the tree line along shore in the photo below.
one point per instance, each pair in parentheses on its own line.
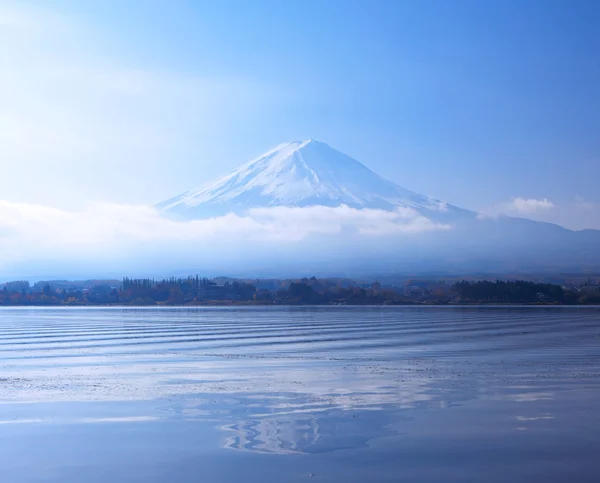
(195,290)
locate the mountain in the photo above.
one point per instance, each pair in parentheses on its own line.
(311,173)
(303,173)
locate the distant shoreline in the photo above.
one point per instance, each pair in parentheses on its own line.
(195,291)
(255,304)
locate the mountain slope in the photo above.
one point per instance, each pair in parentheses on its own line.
(310,173)
(302,173)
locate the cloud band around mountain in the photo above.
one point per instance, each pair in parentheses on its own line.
(104,230)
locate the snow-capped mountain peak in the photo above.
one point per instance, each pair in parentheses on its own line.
(299,173)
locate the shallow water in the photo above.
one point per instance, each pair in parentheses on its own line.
(297,394)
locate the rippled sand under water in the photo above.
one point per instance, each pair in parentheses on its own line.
(300,394)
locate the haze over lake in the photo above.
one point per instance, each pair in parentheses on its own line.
(331,394)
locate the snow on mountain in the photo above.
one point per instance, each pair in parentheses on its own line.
(312,174)
(302,173)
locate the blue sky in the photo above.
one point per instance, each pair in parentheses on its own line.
(493,106)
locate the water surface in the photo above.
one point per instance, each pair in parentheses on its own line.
(335,394)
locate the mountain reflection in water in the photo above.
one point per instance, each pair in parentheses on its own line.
(364,393)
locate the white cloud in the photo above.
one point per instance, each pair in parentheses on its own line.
(518,207)
(530,205)
(440,206)
(577,214)
(297,223)
(120,232)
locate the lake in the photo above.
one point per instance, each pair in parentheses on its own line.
(327,394)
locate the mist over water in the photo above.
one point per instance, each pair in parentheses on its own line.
(289,394)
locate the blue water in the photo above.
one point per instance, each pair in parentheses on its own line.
(338,394)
